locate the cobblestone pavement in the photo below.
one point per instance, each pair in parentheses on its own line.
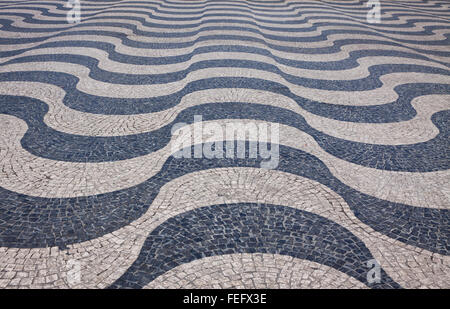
(337,176)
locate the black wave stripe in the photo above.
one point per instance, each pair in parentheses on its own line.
(7,25)
(45,12)
(116,56)
(31,222)
(347,63)
(128,42)
(399,110)
(148,11)
(43,141)
(261,6)
(249,228)
(370,82)
(428,30)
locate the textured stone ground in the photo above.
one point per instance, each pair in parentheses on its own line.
(95,192)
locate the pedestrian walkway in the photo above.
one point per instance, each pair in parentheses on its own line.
(223,144)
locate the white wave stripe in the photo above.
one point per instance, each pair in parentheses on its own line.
(28,174)
(318,18)
(104,63)
(343,53)
(302,14)
(162,5)
(195,5)
(293,8)
(191,11)
(292,5)
(129,33)
(352,14)
(252,15)
(67,120)
(119,47)
(187,12)
(424,7)
(441,13)
(254,271)
(438,34)
(158,11)
(329,42)
(330,16)
(382,95)
(103,260)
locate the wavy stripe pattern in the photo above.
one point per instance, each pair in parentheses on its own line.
(101,184)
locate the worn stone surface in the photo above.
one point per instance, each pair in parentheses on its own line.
(100,184)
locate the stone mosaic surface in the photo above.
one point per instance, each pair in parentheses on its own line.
(94,194)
